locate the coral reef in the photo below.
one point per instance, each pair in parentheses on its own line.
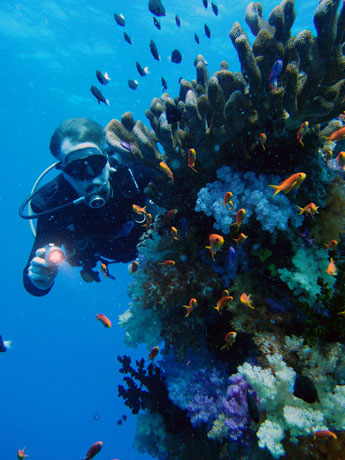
(256,365)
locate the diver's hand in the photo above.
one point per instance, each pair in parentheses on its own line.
(41,273)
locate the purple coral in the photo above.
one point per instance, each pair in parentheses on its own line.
(213,398)
(235,407)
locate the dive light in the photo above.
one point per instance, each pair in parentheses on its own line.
(54,254)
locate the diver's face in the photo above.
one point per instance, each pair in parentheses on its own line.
(98,185)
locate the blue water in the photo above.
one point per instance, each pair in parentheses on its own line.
(62,368)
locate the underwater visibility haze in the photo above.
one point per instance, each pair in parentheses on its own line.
(228,331)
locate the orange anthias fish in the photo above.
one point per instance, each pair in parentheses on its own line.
(332,244)
(341,160)
(148,220)
(153,353)
(21,453)
(310,208)
(246,300)
(192,159)
(133,267)
(290,183)
(324,434)
(240,239)
(227,200)
(165,168)
(336,135)
(302,131)
(216,243)
(167,262)
(192,306)
(174,233)
(139,209)
(229,340)
(169,216)
(104,320)
(94,450)
(262,140)
(223,301)
(241,213)
(105,271)
(331,269)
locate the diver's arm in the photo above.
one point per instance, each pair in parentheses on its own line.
(36,266)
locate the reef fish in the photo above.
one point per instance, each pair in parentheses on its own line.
(332,244)
(98,95)
(224,301)
(302,131)
(178,21)
(230,338)
(105,271)
(94,450)
(246,300)
(192,159)
(262,140)
(169,216)
(207,31)
(176,57)
(310,208)
(133,84)
(165,168)
(337,135)
(127,38)
(227,200)
(240,215)
(164,84)
(214,8)
(174,233)
(156,7)
(240,239)
(196,38)
(133,267)
(21,453)
(305,389)
(275,72)
(216,243)
(156,23)
(120,19)
(205,3)
(331,269)
(154,50)
(103,78)
(153,353)
(104,320)
(4,344)
(139,209)
(294,181)
(341,160)
(191,306)
(324,434)
(142,71)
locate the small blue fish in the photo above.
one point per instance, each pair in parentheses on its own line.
(231,255)
(126,146)
(275,72)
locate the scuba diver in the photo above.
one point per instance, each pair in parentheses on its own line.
(87,208)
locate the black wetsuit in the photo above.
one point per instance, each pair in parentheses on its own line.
(90,234)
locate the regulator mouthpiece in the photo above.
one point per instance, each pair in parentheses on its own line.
(95,201)
(54,254)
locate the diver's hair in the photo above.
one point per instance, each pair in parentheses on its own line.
(76,130)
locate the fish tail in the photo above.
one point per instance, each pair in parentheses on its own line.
(301,209)
(7,343)
(107,102)
(276,188)
(106,76)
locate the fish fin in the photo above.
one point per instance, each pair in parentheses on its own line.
(106,76)
(276,188)
(107,102)
(8,343)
